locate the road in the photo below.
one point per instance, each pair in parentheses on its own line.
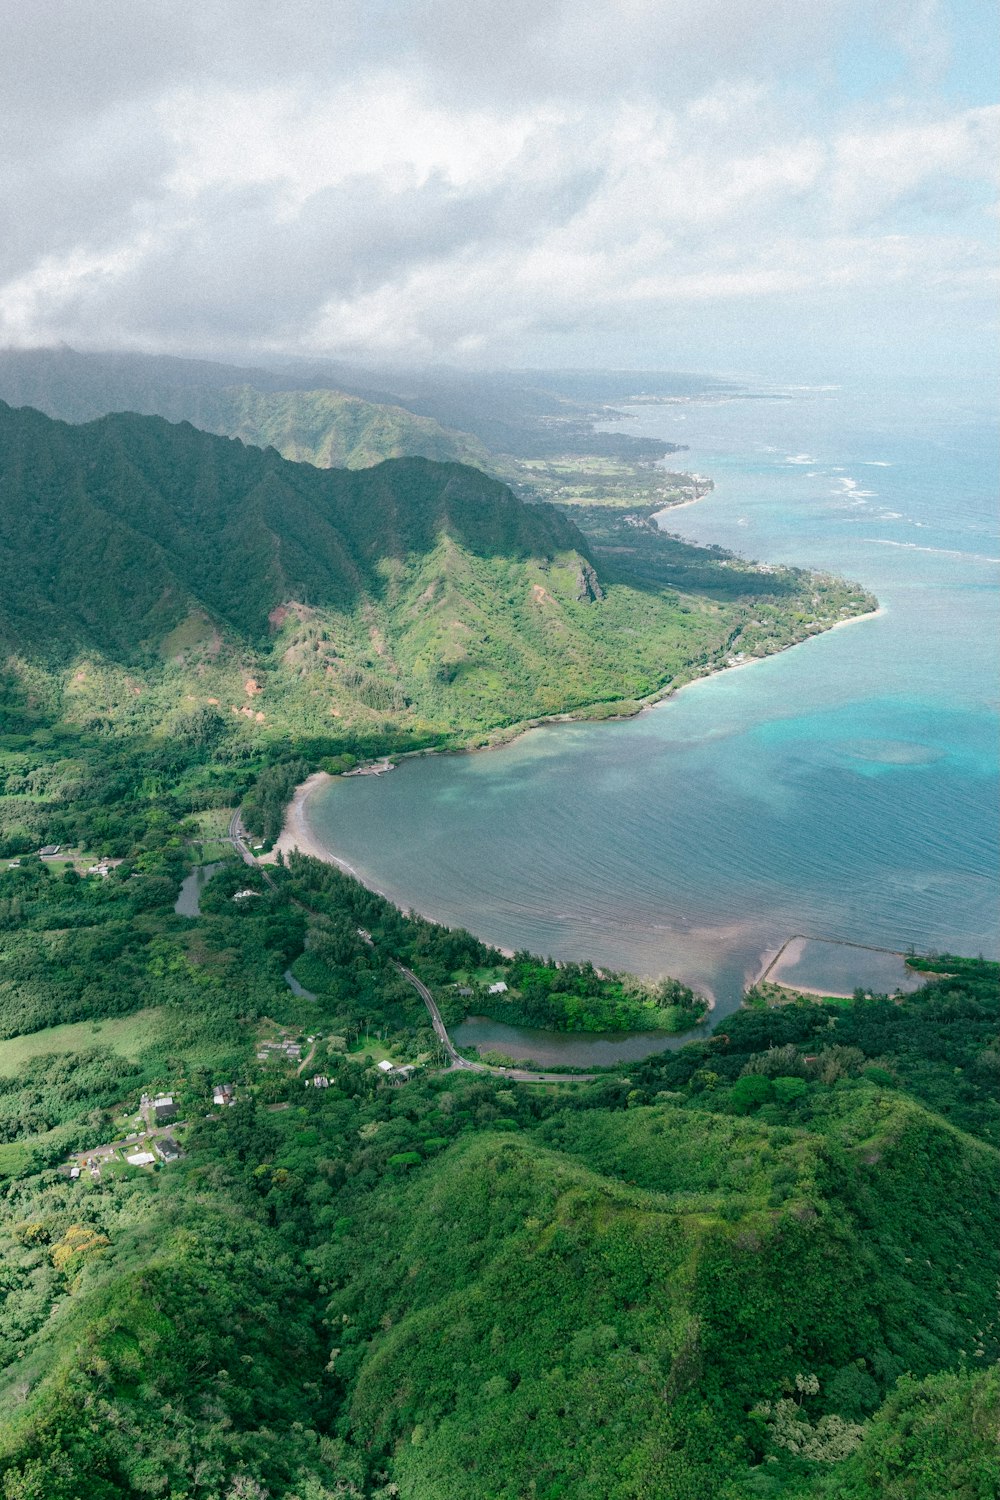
(456,1060)
(237,837)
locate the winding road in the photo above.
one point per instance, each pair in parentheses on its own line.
(456,1060)
(237,837)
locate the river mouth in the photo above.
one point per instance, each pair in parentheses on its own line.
(567,1049)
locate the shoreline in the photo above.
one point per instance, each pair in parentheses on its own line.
(295,831)
(296,834)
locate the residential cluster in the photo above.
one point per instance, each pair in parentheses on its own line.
(147,1146)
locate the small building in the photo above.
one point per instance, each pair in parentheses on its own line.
(385,1066)
(50,851)
(321,1081)
(167,1148)
(140,1159)
(164,1107)
(245,895)
(74,1173)
(222,1093)
(497,989)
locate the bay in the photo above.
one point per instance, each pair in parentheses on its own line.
(845,789)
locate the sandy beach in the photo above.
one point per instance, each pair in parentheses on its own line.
(296,833)
(668,510)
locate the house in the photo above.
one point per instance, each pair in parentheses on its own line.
(164,1107)
(74,1173)
(385,1066)
(223,1093)
(245,895)
(140,1159)
(50,851)
(497,989)
(167,1148)
(321,1082)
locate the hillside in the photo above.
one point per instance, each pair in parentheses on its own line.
(158,570)
(320,425)
(758,1266)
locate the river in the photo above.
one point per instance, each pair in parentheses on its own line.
(844,789)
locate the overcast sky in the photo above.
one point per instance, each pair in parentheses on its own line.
(788,187)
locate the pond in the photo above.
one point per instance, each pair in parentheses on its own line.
(296,988)
(572,1049)
(188,903)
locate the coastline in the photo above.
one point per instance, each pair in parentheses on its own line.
(295,831)
(297,834)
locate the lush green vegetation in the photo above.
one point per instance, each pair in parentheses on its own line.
(175,584)
(743,1268)
(578,997)
(763,1264)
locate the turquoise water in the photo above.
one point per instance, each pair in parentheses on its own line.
(845,789)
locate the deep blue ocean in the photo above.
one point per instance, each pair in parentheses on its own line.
(845,789)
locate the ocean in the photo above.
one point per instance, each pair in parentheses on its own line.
(846,789)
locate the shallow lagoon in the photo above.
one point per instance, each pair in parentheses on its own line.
(552,1049)
(846,789)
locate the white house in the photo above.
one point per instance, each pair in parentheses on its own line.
(497,989)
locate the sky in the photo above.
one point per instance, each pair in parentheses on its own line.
(793,188)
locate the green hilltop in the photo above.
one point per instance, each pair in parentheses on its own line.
(763,1265)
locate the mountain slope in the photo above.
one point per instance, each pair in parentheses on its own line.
(159,516)
(154,565)
(319,425)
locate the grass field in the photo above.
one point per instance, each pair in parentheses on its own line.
(129,1036)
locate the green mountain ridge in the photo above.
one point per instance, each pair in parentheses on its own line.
(160,570)
(163,517)
(322,426)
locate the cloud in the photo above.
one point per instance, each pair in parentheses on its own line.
(439,180)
